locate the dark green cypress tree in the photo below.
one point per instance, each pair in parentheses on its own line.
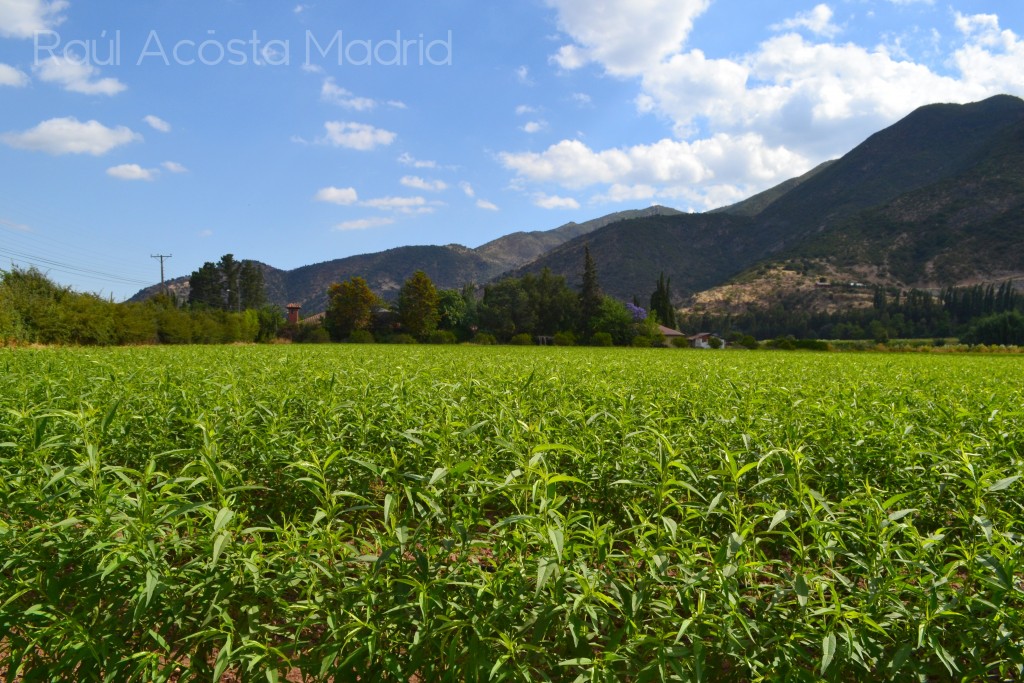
(661,302)
(590,295)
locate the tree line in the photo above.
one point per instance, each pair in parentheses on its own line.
(972,314)
(519,310)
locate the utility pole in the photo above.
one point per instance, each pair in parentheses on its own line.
(162,257)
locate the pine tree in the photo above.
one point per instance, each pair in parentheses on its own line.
(250,285)
(590,295)
(206,287)
(230,269)
(417,305)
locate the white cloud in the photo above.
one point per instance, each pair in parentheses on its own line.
(22,18)
(132,172)
(486,205)
(625,36)
(205,233)
(12,77)
(332,92)
(174,167)
(407,159)
(535,126)
(417,183)
(299,9)
(71,136)
(817,21)
(397,104)
(403,204)
(523,75)
(358,136)
(312,68)
(545,201)
(627,193)
(467,189)
(364,223)
(77,76)
(338,195)
(581,98)
(157,123)
(524,109)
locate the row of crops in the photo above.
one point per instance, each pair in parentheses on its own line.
(481,514)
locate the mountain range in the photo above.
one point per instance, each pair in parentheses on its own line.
(936,199)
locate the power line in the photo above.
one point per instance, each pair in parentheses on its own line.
(162,257)
(69,269)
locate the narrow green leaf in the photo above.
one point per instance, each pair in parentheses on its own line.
(439,474)
(223,517)
(218,546)
(828,651)
(557,539)
(801,589)
(223,657)
(779,518)
(1003,484)
(900,514)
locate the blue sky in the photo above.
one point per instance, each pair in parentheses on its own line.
(297,133)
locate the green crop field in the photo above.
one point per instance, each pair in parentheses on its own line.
(484,514)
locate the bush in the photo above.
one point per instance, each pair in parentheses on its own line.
(601,339)
(311,334)
(642,341)
(402,339)
(565,339)
(441,337)
(485,339)
(521,340)
(680,342)
(361,337)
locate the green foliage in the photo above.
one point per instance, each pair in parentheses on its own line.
(602,339)
(401,339)
(458,513)
(442,337)
(350,308)
(614,319)
(361,337)
(521,340)
(1001,329)
(661,303)
(485,339)
(418,305)
(591,298)
(641,341)
(564,339)
(228,285)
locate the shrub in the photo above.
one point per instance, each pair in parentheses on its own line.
(565,339)
(361,337)
(311,334)
(680,342)
(441,337)
(402,339)
(642,341)
(521,340)
(485,339)
(601,339)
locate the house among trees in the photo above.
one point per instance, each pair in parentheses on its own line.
(707,340)
(670,335)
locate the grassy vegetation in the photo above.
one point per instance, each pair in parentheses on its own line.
(472,514)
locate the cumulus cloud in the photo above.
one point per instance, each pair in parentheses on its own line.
(23,18)
(174,167)
(534,126)
(12,77)
(358,136)
(364,223)
(71,136)
(817,21)
(486,205)
(343,196)
(743,123)
(523,75)
(77,76)
(546,201)
(132,172)
(467,189)
(335,94)
(625,36)
(417,183)
(157,123)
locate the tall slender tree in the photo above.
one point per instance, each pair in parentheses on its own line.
(250,284)
(661,302)
(590,294)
